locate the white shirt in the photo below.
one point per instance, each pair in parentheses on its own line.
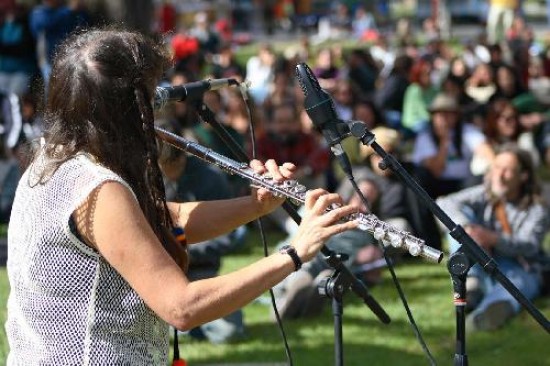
(67,305)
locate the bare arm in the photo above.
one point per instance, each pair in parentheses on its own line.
(436,164)
(112,222)
(209,219)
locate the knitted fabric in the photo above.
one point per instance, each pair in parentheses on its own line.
(67,305)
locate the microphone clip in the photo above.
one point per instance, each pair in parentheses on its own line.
(342,129)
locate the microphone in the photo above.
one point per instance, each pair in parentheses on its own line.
(320,109)
(188,91)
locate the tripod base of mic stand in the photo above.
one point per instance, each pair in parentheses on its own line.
(458,267)
(334,287)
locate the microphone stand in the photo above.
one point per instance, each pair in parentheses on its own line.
(343,278)
(334,287)
(460,261)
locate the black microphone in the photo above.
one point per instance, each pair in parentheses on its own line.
(320,109)
(188,91)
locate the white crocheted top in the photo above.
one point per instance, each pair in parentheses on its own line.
(67,305)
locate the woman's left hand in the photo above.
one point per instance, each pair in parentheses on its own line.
(266,201)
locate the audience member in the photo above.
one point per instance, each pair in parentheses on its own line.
(391,205)
(185,49)
(50,24)
(418,97)
(496,57)
(363,25)
(207,136)
(208,39)
(298,295)
(364,110)
(396,205)
(181,112)
(11,126)
(500,19)
(281,92)
(205,133)
(535,117)
(259,71)
(538,81)
(188,179)
(383,54)
(17,50)
(502,127)
(505,217)
(442,153)
(471,111)
(226,66)
(284,137)
(166,17)
(362,72)
(343,99)
(390,96)
(325,69)
(340,20)
(459,69)
(508,83)
(481,86)
(236,113)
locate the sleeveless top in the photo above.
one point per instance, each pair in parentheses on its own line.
(67,305)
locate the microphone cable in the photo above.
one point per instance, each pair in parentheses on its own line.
(238,151)
(397,284)
(244,93)
(388,260)
(319,106)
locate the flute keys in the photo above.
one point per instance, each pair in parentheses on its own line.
(414,248)
(379,233)
(289,184)
(396,240)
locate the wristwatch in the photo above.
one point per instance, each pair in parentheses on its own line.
(291,251)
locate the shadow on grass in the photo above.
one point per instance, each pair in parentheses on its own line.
(306,350)
(369,342)
(366,341)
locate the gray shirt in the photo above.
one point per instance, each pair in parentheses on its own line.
(471,206)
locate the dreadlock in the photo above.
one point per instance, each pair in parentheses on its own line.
(99,102)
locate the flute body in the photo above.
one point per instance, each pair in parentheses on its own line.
(291,189)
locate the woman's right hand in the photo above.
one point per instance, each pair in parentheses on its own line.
(318,225)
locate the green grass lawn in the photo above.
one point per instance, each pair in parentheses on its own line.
(366,340)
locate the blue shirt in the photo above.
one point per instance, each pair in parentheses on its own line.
(56,23)
(16,47)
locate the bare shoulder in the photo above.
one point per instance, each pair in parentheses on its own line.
(110,204)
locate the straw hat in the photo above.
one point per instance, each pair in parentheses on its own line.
(444,103)
(386,137)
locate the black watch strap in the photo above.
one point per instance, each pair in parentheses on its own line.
(291,251)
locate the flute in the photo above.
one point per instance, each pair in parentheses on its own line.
(387,234)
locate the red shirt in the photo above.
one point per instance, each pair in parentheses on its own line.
(304,150)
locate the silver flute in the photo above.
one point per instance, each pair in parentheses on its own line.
(387,234)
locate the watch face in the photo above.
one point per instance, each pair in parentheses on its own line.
(291,251)
(287,249)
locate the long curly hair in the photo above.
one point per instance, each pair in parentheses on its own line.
(530,190)
(100,102)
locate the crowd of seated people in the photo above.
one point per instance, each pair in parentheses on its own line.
(452,110)
(445,112)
